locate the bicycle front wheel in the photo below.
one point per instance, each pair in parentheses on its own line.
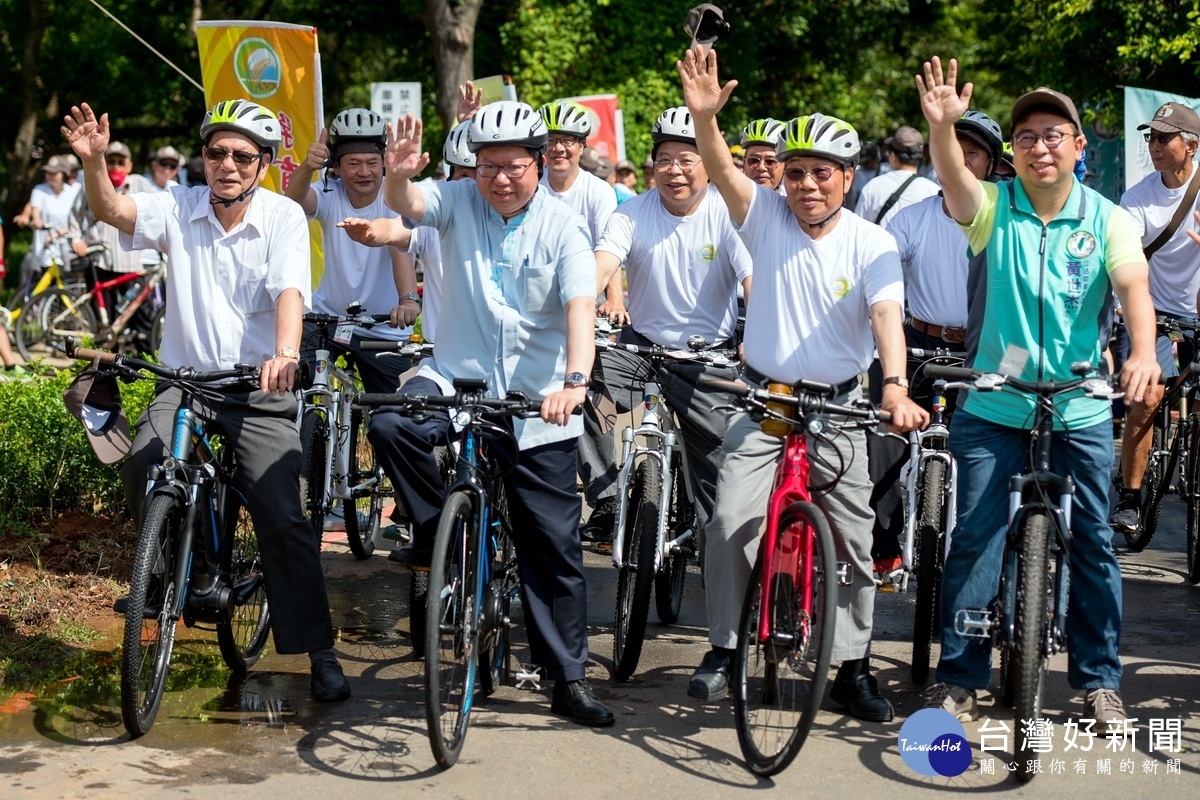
(668,583)
(244,635)
(1191,490)
(636,576)
(452,632)
(149,630)
(1027,660)
(779,679)
(49,319)
(929,566)
(1154,480)
(312,470)
(364,509)
(495,646)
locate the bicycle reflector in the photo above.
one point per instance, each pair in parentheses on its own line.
(705,24)
(94,399)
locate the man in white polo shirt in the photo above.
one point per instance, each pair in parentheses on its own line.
(884,196)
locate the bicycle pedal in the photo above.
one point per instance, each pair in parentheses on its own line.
(844,575)
(529,676)
(974,623)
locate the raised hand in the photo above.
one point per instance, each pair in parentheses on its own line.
(403,157)
(940,100)
(470,100)
(361,230)
(318,152)
(702,90)
(87,135)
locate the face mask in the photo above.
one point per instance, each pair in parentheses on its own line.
(118,176)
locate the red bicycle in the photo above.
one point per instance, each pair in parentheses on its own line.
(785,636)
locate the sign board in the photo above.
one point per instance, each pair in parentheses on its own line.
(393,100)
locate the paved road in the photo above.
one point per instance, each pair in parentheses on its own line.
(263,734)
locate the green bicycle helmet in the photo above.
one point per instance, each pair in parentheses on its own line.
(821,136)
(257,122)
(567,116)
(762,131)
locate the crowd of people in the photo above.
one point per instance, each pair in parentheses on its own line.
(841,254)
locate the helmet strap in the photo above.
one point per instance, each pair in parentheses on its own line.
(217,201)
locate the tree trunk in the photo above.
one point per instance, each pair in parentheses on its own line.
(451,23)
(21,169)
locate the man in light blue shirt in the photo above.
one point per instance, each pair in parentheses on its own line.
(519,274)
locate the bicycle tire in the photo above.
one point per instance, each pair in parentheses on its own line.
(777,687)
(49,319)
(243,636)
(149,634)
(313,442)
(1192,493)
(495,648)
(635,580)
(451,630)
(363,511)
(928,568)
(1157,474)
(668,583)
(418,596)
(1028,660)
(157,325)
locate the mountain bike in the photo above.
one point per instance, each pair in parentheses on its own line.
(197,556)
(656,510)
(785,636)
(338,463)
(65,273)
(473,576)
(1026,620)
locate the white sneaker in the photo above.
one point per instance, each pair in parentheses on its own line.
(954,700)
(1104,706)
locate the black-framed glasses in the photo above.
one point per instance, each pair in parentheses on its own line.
(565,142)
(241,158)
(1161,138)
(513,171)
(1053,138)
(169,164)
(684,164)
(766,161)
(819,174)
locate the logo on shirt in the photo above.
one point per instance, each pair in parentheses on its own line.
(708,252)
(256,65)
(1081,244)
(841,287)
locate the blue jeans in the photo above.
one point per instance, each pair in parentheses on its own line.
(988,455)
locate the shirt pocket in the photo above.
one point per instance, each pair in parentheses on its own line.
(250,293)
(538,289)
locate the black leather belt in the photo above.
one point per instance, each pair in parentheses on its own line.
(840,391)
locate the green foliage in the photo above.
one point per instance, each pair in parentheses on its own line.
(46,464)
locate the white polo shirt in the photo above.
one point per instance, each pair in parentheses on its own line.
(223,285)
(879,189)
(426,247)
(683,271)
(933,251)
(590,197)
(809,314)
(1174,267)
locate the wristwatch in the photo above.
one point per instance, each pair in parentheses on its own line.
(287,352)
(901,382)
(575,380)
(416,298)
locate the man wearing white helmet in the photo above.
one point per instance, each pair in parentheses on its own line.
(761,165)
(239,286)
(684,263)
(836,293)
(521,279)
(381,279)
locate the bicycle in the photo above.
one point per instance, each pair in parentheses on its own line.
(338,463)
(1027,617)
(197,554)
(473,576)
(785,634)
(656,510)
(55,315)
(1174,445)
(64,273)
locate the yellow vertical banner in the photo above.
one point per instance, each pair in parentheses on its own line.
(277,65)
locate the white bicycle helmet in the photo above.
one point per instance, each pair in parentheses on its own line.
(986,130)
(822,136)
(567,116)
(455,152)
(357,130)
(674,125)
(257,122)
(507,123)
(762,131)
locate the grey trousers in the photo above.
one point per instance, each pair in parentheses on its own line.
(262,430)
(748,461)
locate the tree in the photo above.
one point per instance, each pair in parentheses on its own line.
(451,23)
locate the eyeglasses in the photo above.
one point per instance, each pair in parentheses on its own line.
(1161,138)
(769,163)
(117,160)
(1052,138)
(170,164)
(819,174)
(684,164)
(565,142)
(241,158)
(513,171)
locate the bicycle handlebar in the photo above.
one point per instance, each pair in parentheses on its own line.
(1096,387)
(1169,324)
(716,357)
(813,398)
(241,373)
(398,346)
(365,320)
(515,405)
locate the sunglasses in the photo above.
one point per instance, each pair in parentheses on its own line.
(754,161)
(819,174)
(172,164)
(1160,138)
(241,158)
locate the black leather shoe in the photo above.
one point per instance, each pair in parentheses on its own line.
(329,684)
(416,557)
(710,681)
(600,525)
(574,699)
(860,694)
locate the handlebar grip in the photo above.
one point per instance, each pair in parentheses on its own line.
(381,345)
(89,354)
(953,373)
(720,385)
